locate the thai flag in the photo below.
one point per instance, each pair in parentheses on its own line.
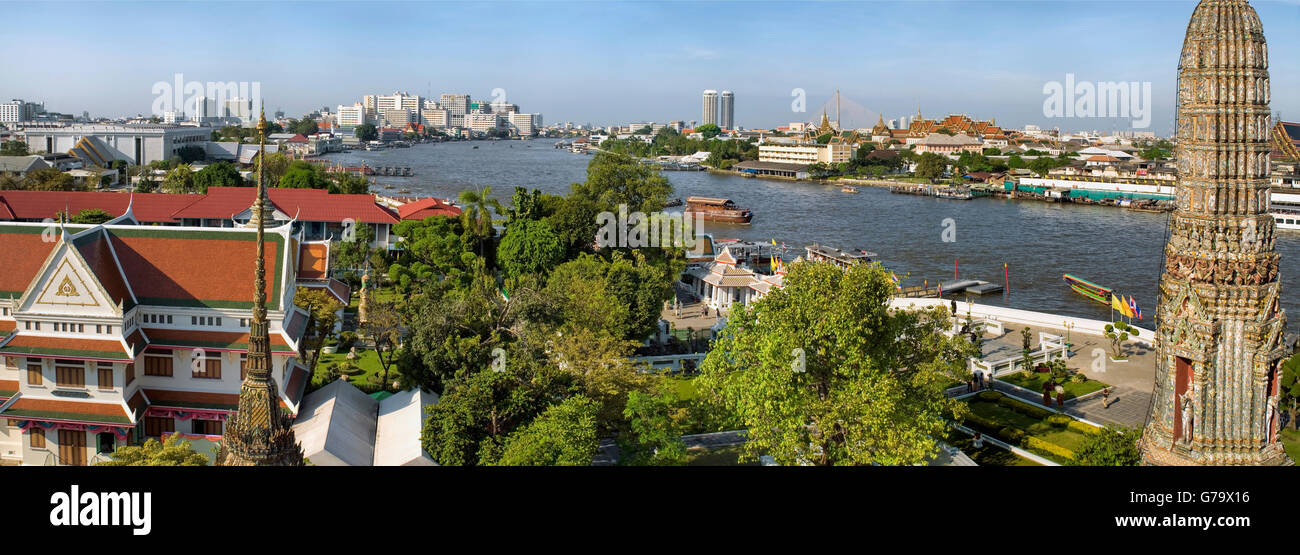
(1133,306)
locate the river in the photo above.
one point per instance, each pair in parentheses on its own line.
(1038,241)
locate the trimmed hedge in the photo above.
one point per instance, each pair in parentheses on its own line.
(1083,427)
(1024,408)
(989,395)
(1032,442)
(1059,420)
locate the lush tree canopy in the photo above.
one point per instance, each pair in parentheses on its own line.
(820,371)
(173,452)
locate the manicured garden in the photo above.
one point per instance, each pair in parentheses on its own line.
(989,454)
(1034,382)
(1045,433)
(367,363)
(1291,441)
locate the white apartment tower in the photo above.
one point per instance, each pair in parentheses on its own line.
(710,107)
(727,110)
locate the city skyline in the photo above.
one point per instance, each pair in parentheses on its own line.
(991,53)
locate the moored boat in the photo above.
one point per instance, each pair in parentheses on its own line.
(848,189)
(1089,289)
(718,210)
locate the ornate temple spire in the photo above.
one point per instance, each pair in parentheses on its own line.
(1219,332)
(260,433)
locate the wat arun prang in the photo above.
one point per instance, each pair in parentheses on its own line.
(1220,334)
(259,434)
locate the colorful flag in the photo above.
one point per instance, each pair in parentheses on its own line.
(1133,309)
(894,278)
(1115,304)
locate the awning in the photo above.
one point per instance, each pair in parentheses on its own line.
(64,347)
(211,340)
(51,410)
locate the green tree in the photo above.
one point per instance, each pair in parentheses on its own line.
(191,154)
(529,247)
(90,216)
(930,165)
(179,180)
(304,126)
(348,183)
(173,452)
(276,166)
(1110,447)
(477,214)
(709,130)
(13,148)
(655,430)
(1290,389)
(821,371)
(383,326)
(322,315)
(1118,333)
(218,174)
(50,179)
(303,175)
(564,435)
(367,132)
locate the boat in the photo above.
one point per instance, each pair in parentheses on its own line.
(954,193)
(717,210)
(1089,289)
(1284,206)
(673,202)
(848,189)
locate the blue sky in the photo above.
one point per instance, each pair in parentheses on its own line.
(626,61)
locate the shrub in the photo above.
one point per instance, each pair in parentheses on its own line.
(346,340)
(1083,427)
(1059,420)
(332,372)
(1012,435)
(1024,408)
(980,423)
(989,395)
(1078,377)
(1042,445)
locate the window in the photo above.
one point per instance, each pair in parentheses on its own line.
(106,375)
(155,426)
(206,427)
(105,443)
(67,375)
(130,373)
(208,367)
(158,364)
(34,374)
(37,436)
(72,447)
(99,328)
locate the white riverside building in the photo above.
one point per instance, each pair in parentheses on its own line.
(137,144)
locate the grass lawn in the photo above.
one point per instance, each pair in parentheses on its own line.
(1035,384)
(367,360)
(1291,441)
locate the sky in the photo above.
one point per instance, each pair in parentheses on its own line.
(620,62)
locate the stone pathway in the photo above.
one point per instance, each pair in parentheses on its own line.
(1128,407)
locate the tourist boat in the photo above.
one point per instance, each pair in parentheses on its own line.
(717,210)
(848,189)
(954,193)
(1285,208)
(1089,289)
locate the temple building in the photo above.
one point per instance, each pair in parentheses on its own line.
(725,282)
(1220,330)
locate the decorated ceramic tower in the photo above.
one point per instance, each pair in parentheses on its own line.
(260,433)
(1220,332)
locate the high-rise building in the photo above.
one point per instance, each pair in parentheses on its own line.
(1220,332)
(457,104)
(524,124)
(437,118)
(17,110)
(727,110)
(710,108)
(260,434)
(481,123)
(503,107)
(371,104)
(351,116)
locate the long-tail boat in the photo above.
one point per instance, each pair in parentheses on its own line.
(1089,289)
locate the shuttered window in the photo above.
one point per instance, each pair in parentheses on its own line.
(158,364)
(37,436)
(70,376)
(34,374)
(105,375)
(155,426)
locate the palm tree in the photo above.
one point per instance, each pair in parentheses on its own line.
(476,215)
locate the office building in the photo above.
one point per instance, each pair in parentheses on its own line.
(727,110)
(710,114)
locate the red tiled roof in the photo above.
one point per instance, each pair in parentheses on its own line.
(188,268)
(314,261)
(425,208)
(312,205)
(23,250)
(96,251)
(28,408)
(146,207)
(65,347)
